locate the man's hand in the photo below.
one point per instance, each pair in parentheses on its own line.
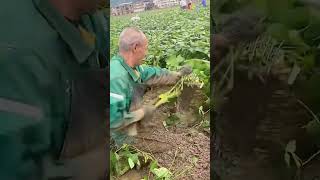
(145,114)
(185,70)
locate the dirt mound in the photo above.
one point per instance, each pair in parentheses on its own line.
(182,148)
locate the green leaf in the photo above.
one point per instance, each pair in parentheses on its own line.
(277,9)
(172,120)
(117,156)
(114,163)
(131,163)
(278,31)
(134,157)
(162,172)
(296,18)
(153,165)
(180,59)
(308,62)
(113,157)
(174,62)
(123,170)
(296,39)
(312,32)
(313,129)
(261,4)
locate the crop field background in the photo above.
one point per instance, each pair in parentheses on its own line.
(175,143)
(174,37)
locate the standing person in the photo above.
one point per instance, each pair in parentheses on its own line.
(127,75)
(189,4)
(183,4)
(52,99)
(198,6)
(204,3)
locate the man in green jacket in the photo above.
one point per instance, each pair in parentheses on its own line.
(127,76)
(53,74)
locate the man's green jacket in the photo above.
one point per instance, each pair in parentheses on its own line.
(124,85)
(42,55)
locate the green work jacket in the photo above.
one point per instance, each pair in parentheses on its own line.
(123,84)
(41,54)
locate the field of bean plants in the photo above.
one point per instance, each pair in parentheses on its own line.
(175,143)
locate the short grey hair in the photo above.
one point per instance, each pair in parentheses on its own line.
(130,36)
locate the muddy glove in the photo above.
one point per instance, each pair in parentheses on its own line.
(165,79)
(170,78)
(185,70)
(144,113)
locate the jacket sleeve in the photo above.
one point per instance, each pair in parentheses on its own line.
(158,76)
(119,113)
(24,124)
(117,101)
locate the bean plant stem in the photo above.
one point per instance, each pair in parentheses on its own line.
(311,158)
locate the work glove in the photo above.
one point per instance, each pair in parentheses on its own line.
(185,70)
(169,78)
(148,111)
(143,114)
(165,79)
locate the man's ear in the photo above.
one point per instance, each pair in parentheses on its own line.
(135,47)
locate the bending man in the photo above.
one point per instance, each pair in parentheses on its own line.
(126,78)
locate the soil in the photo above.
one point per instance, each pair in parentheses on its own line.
(250,138)
(184,147)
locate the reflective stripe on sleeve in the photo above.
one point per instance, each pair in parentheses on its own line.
(19,108)
(117,96)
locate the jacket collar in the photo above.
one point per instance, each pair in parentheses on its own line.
(129,69)
(80,41)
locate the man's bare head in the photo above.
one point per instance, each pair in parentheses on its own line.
(131,37)
(133,44)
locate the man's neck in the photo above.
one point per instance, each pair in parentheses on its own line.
(128,59)
(67,9)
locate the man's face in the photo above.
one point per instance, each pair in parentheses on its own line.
(140,51)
